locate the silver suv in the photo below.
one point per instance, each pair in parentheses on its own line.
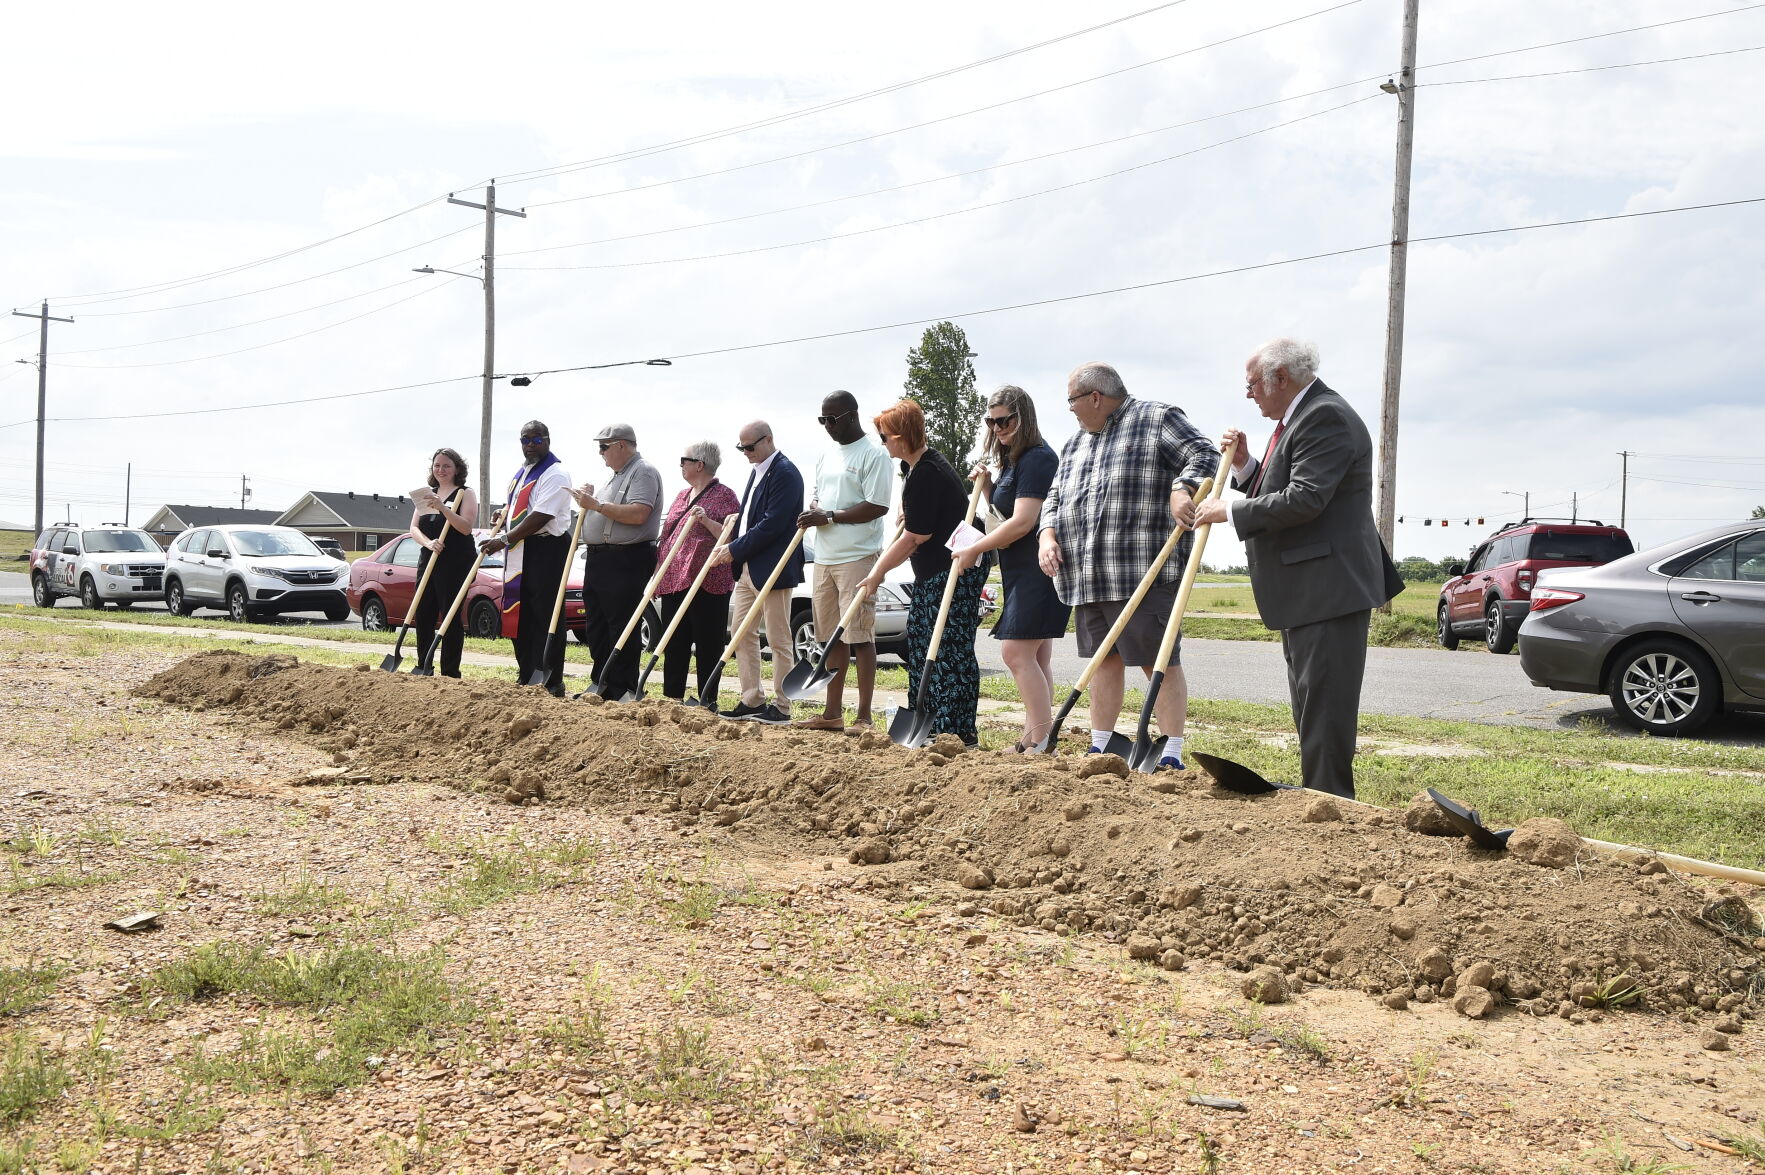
(118,564)
(252,572)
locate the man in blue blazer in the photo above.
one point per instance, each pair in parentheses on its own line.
(1317,566)
(770,504)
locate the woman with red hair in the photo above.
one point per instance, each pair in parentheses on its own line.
(934,500)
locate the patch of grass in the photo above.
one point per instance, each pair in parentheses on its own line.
(29,1077)
(894,1000)
(19,881)
(303,895)
(31,840)
(584,1032)
(21,987)
(494,871)
(1396,630)
(1138,1035)
(851,1133)
(185,1113)
(1625,1163)
(696,906)
(1303,1038)
(681,1068)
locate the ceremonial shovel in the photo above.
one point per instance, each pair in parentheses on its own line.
(649,593)
(391,661)
(1118,743)
(425,667)
(554,635)
(708,695)
(912,727)
(679,613)
(809,677)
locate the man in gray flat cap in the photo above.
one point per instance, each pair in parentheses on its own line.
(619,544)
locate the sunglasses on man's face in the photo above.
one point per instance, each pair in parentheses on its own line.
(741,448)
(1000,421)
(691,461)
(605,445)
(539,439)
(824,421)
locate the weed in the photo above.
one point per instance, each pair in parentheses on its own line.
(683,1068)
(21,882)
(1624,1163)
(22,987)
(585,1033)
(1751,1146)
(29,1076)
(1303,1038)
(103,833)
(1210,1154)
(1137,1035)
(849,1132)
(893,1000)
(912,910)
(15,1155)
(303,896)
(1248,1022)
(696,906)
(184,1114)
(1412,1092)
(1616,992)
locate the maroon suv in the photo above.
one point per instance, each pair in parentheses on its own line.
(1488,596)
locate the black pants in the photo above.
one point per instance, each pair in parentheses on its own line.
(1325,664)
(438,597)
(612,585)
(542,569)
(702,634)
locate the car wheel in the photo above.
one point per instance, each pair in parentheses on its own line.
(238,604)
(336,612)
(649,629)
(1498,634)
(125,604)
(175,603)
(803,641)
(374,614)
(41,596)
(1665,687)
(484,620)
(1443,628)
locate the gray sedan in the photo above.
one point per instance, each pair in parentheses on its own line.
(1672,635)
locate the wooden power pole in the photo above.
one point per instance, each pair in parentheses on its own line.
(491,211)
(1405,88)
(42,398)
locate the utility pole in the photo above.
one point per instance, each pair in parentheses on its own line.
(1624,489)
(42,397)
(244,491)
(1405,89)
(1574,506)
(128,484)
(490,214)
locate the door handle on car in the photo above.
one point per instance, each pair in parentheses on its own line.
(1701,597)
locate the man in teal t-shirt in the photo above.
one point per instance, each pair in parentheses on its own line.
(851,495)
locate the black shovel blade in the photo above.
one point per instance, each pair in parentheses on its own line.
(807,679)
(422,669)
(1469,824)
(1118,744)
(1051,741)
(713,685)
(391,662)
(1236,776)
(910,728)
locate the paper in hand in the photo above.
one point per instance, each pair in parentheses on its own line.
(963,537)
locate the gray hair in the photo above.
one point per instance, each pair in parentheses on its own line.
(708,452)
(1100,378)
(1299,360)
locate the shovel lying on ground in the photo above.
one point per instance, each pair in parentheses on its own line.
(679,615)
(708,695)
(912,726)
(1118,744)
(1469,824)
(809,678)
(425,666)
(649,593)
(1144,754)
(1237,777)
(554,635)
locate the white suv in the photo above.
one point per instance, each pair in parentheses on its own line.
(96,563)
(251,572)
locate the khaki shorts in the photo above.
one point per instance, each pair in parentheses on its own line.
(1139,641)
(834,588)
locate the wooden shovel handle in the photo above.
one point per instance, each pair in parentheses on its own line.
(851,612)
(1210,489)
(496,526)
(931,650)
(680,613)
(649,591)
(564,580)
(429,568)
(741,630)
(1127,612)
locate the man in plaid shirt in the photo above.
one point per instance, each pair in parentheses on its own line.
(1125,477)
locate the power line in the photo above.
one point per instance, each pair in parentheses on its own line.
(963,113)
(1554,73)
(818,108)
(957,211)
(1708,485)
(1641,28)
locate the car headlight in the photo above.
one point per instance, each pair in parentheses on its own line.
(889,600)
(114,568)
(273,572)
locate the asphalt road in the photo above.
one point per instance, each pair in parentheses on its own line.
(1469,685)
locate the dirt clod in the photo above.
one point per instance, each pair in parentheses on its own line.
(1714,1041)
(1425,817)
(871,851)
(1095,765)
(1545,841)
(970,876)
(1473,1002)
(1266,985)
(1322,811)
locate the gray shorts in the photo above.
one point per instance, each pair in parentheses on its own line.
(1139,641)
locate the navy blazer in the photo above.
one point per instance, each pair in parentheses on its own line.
(772,520)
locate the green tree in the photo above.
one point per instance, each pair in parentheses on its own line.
(1759,511)
(940,375)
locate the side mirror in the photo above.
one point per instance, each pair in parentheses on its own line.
(70,550)
(1454,570)
(216,553)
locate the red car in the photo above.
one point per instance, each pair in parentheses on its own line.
(381,586)
(1488,596)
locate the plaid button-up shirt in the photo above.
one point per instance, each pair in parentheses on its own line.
(1110,505)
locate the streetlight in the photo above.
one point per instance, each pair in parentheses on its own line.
(1525,501)
(477,277)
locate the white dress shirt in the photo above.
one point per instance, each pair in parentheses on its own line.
(1248,475)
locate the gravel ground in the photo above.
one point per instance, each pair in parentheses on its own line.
(619,994)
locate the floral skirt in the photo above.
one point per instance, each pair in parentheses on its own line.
(955,690)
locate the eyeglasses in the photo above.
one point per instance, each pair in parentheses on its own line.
(1002,421)
(1250,384)
(824,421)
(605,445)
(537,438)
(1077,398)
(694,460)
(740,448)
(882,436)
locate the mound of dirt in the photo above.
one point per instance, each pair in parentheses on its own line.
(1181,869)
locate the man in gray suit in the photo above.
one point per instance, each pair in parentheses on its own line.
(1317,566)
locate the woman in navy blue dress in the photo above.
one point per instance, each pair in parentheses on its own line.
(1033,617)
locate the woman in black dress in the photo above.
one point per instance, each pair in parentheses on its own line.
(442,526)
(1033,617)
(934,500)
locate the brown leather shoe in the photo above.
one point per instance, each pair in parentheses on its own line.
(819,722)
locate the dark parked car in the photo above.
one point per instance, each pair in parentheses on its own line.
(1488,595)
(1672,635)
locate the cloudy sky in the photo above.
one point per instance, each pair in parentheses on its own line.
(230,199)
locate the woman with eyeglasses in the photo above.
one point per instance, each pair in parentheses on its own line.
(441,524)
(700,508)
(934,500)
(1033,617)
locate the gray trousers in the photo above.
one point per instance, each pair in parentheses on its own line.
(1325,664)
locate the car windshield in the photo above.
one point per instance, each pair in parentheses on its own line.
(264,543)
(104,542)
(1580,548)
